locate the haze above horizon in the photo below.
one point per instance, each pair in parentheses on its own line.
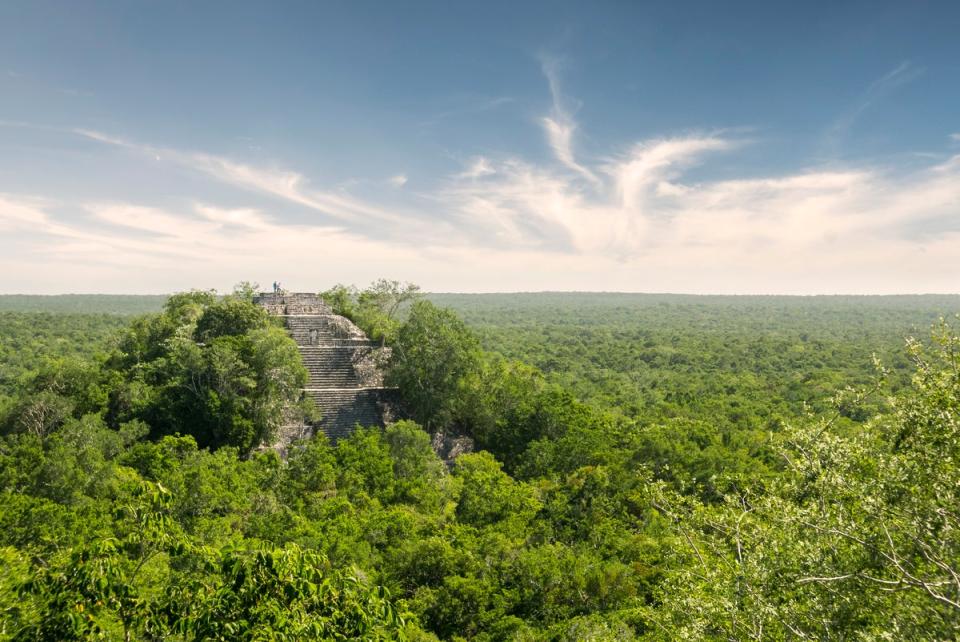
(749,148)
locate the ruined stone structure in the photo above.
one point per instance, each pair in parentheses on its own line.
(346,375)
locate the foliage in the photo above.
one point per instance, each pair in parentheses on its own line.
(647,467)
(285,594)
(375,309)
(29,340)
(87,305)
(858,534)
(432,355)
(260,594)
(217,369)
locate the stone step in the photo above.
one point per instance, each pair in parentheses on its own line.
(332,367)
(329,364)
(293,303)
(343,409)
(325,364)
(335,363)
(323,329)
(343,363)
(336,349)
(337,369)
(319,368)
(323,383)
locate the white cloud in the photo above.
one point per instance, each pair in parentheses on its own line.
(20,212)
(128,247)
(148,219)
(652,163)
(641,219)
(796,227)
(528,228)
(880,88)
(284,184)
(955,137)
(559,125)
(641,224)
(479,168)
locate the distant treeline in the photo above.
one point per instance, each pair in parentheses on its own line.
(125,304)
(565,301)
(508,302)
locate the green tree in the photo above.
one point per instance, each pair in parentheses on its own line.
(388,297)
(100,590)
(421,477)
(858,537)
(375,309)
(433,354)
(311,469)
(16,572)
(365,468)
(232,316)
(279,594)
(489,496)
(219,370)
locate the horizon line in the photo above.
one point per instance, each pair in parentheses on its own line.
(526,292)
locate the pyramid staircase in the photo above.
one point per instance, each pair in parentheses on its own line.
(346,379)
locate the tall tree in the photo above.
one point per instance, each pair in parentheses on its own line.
(217,369)
(433,353)
(376,309)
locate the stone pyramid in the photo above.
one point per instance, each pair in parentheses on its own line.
(346,375)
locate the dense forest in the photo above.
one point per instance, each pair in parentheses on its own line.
(119,304)
(653,467)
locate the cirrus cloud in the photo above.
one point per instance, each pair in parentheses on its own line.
(644,217)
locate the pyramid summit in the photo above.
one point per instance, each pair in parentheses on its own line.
(345,367)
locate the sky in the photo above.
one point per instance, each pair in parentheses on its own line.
(700,147)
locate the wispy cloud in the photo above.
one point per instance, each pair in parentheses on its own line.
(559,124)
(645,210)
(479,167)
(637,219)
(121,246)
(284,184)
(652,165)
(902,74)
(899,75)
(19,211)
(641,210)
(532,227)
(466,105)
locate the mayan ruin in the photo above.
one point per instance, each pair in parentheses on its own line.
(345,367)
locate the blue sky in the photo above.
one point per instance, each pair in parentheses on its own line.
(689,147)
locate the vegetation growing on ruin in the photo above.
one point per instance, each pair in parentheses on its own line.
(646,468)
